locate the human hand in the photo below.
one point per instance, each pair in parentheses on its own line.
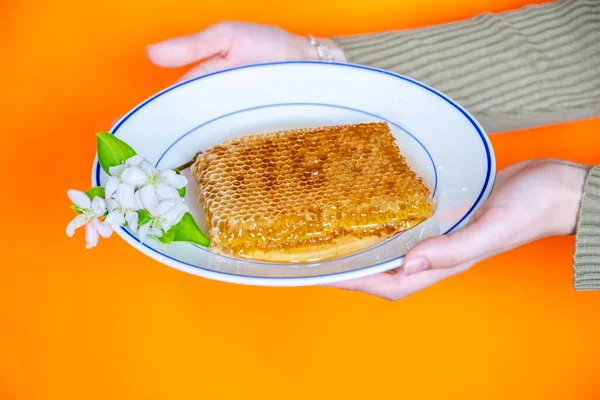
(530,200)
(229,44)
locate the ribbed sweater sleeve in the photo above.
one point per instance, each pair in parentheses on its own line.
(534,66)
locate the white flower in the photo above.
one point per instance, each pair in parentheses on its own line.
(165,215)
(139,173)
(134,161)
(121,205)
(164,182)
(146,198)
(91,210)
(117,171)
(169,213)
(144,230)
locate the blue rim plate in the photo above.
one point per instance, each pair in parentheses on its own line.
(440,140)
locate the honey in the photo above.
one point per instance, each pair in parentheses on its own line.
(308,194)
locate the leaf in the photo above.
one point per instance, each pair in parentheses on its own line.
(96,191)
(143,217)
(167,236)
(187,230)
(77,209)
(182,190)
(112,151)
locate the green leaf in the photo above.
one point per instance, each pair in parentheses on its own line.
(77,209)
(168,236)
(187,230)
(143,217)
(182,190)
(112,151)
(96,191)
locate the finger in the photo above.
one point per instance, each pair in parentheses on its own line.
(475,241)
(397,286)
(378,285)
(216,63)
(184,50)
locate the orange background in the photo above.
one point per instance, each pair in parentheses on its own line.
(110,323)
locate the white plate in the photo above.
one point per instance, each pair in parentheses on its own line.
(440,140)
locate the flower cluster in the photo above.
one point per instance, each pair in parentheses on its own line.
(145,199)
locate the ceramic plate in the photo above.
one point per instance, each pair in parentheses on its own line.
(439,139)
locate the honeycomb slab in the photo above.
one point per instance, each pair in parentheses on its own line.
(308,194)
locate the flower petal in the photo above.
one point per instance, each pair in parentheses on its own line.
(171,178)
(126,197)
(103,228)
(165,205)
(173,216)
(132,219)
(138,200)
(148,198)
(111,187)
(165,192)
(134,161)
(115,219)
(91,235)
(77,222)
(134,176)
(117,170)
(155,232)
(147,167)
(98,206)
(143,231)
(112,205)
(79,198)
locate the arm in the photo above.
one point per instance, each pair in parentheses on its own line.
(534,66)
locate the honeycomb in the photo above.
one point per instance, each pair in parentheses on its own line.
(308,194)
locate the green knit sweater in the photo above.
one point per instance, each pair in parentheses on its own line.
(534,66)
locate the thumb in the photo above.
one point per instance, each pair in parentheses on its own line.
(212,64)
(472,242)
(184,50)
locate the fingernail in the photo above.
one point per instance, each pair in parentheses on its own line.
(414,266)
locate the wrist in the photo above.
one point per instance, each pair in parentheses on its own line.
(334,49)
(310,51)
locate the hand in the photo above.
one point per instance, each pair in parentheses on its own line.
(229,44)
(530,200)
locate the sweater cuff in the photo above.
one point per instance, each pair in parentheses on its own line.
(587,242)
